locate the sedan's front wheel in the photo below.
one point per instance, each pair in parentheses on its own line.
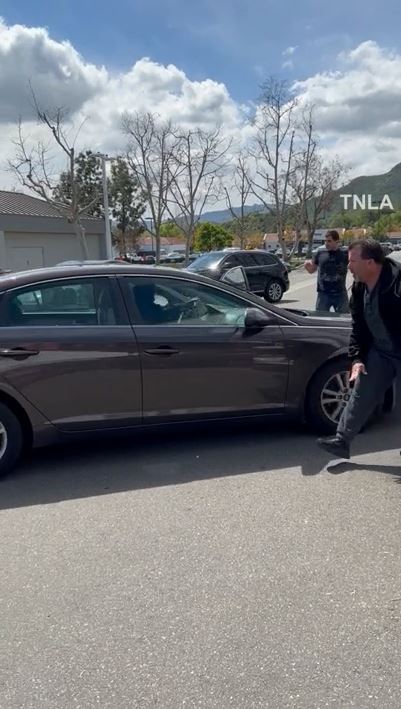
(11,439)
(328,395)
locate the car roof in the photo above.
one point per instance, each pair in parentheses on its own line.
(235,252)
(25,278)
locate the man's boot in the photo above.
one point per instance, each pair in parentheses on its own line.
(335,445)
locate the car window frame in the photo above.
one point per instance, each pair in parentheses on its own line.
(266,259)
(247,255)
(136,320)
(225,264)
(122,319)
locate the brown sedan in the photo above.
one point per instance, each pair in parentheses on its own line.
(100,348)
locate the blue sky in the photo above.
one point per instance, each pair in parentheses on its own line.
(206,62)
(237,42)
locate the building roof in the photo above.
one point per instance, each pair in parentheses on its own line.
(25,205)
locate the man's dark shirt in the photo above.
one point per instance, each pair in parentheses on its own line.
(332,270)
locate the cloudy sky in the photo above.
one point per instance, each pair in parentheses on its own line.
(203,63)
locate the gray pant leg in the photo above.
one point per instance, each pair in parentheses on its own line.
(367,393)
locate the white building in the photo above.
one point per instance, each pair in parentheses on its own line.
(33,235)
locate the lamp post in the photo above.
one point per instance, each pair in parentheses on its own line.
(108,240)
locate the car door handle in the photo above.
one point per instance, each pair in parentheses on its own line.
(162,350)
(18,352)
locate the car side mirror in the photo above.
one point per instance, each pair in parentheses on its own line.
(256,319)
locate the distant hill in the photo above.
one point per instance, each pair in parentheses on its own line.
(388,183)
(224,215)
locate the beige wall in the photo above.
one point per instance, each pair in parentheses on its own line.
(23,250)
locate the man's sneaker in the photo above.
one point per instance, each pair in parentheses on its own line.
(335,446)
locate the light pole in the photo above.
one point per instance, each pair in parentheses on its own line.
(109,243)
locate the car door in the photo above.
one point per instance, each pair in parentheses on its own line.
(253,271)
(198,360)
(236,277)
(67,347)
(266,268)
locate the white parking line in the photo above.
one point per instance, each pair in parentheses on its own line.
(300,286)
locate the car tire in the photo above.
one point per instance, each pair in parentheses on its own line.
(11,439)
(274,291)
(323,410)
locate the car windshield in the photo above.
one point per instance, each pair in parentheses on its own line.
(207,261)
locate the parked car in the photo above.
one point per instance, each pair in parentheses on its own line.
(266,273)
(175,257)
(193,256)
(92,262)
(113,347)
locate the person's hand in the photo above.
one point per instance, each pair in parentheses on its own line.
(308,265)
(357,369)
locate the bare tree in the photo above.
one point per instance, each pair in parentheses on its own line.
(325,178)
(274,149)
(194,181)
(151,149)
(301,182)
(313,181)
(33,165)
(241,187)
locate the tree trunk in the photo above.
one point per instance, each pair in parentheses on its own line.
(80,234)
(124,244)
(283,245)
(157,238)
(188,244)
(296,245)
(311,233)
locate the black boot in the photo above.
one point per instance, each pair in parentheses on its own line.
(335,445)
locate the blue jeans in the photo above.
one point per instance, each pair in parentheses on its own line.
(368,392)
(337,301)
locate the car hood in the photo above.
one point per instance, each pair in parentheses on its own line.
(314,318)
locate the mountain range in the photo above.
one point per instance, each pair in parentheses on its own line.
(377,186)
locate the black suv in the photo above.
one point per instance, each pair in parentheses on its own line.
(267,275)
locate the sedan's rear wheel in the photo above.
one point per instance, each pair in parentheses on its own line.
(328,395)
(11,439)
(274,291)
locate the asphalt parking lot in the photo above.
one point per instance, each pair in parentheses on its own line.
(220,568)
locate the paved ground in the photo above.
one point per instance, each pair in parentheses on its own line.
(218,569)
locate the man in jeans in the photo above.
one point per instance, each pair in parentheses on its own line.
(331,266)
(375,342)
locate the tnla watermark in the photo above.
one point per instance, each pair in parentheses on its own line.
(365,202)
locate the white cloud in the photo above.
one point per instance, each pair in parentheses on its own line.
(29,55)
(61,77)
(164,90)
(289,51)
(358,107)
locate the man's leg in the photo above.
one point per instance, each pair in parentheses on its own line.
(340,303)
(367,393)
(322,303)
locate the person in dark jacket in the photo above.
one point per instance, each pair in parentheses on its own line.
(331,266)
(375,342)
